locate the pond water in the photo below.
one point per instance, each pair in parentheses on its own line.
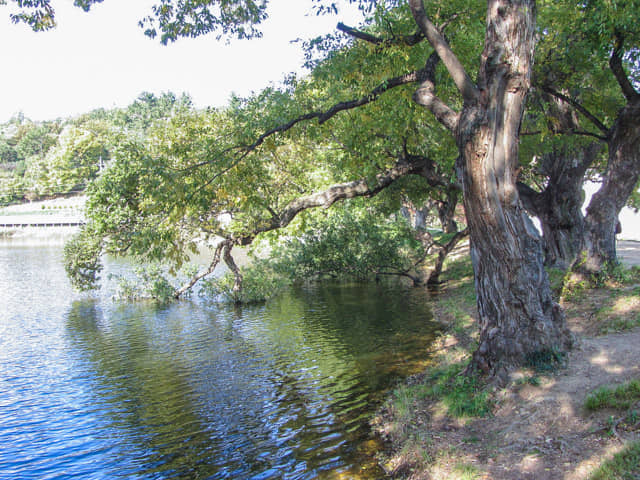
(90,388)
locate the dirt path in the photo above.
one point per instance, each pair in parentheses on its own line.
(543,431)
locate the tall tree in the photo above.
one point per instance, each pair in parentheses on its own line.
(517,316)
(558,160)
(592,67)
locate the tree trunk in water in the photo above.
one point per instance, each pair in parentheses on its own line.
(443,252)
(237,283)
(621,177)
(517,315)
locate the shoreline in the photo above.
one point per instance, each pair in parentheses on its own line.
(440,425)
(59,211)
(36,236)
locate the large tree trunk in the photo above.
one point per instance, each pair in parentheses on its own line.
(517,315)
(621,177)
(559,206)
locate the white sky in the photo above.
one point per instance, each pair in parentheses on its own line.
(103,59)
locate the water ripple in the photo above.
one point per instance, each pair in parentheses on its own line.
(93,389)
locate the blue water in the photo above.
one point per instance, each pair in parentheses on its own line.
(90,388)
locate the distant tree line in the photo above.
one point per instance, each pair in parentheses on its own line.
(45,159)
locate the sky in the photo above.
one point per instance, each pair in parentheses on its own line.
(103,59)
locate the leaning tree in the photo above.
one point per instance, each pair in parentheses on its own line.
(517,315)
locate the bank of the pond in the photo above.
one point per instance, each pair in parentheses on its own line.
(46,222)
(441,425)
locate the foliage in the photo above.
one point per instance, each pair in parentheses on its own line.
(173,19)
(557,279)
(82,260)
(615,273)
(622,466)
(462,396)
(620,397)
(149,282)
(260,283)
(352,240)
(41,159)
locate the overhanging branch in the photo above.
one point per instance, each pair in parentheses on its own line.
(342,191)
(408,40)
(441,46)
(615,63)
(323,116)
(196,278)
(578,106)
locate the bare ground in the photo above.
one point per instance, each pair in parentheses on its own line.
(540,432)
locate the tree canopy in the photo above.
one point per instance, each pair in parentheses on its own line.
(443,91)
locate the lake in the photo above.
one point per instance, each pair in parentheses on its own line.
(91,388)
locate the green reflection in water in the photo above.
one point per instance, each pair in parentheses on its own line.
(283,390)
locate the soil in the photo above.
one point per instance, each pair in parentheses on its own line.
(543,431)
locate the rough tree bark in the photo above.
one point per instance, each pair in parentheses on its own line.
(517,315)
(623,171)
(621,177)
(559,205)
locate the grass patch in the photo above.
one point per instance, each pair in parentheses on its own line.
(461,396)
(619,324)
(621,397)
(621,311)
(624,465)
(458,269)
(466,471)
(532,380)
(557,280)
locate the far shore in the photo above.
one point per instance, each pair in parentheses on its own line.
(54,211)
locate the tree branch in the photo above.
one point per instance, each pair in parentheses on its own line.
(575,104)
(408,40)
(530,198)
(584,133)
(196,278)
(443,252)
(425,96)
(341,191)
(323,116)
(441,46)
(615,63)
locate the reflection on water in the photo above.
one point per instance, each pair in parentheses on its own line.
(93,389)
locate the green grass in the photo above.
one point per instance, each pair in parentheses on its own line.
(621,397)
(462,396)
(458,269)
(466,471)
(617,325)
(624,465)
